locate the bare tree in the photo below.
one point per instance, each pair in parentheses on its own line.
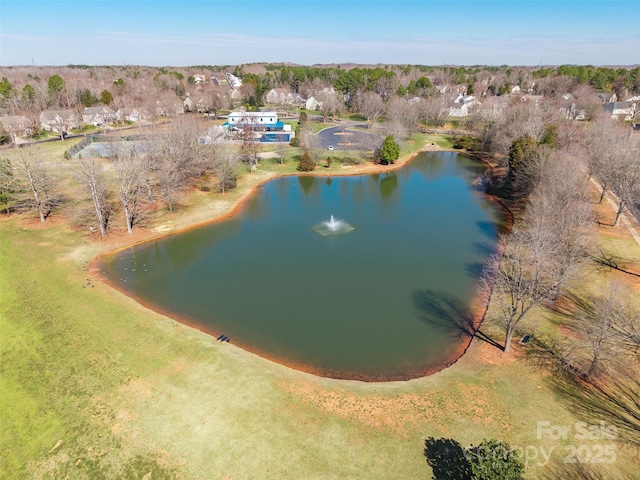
(250,141)
(225,169)
(398,117)
(371,105)
(217,100)
(545,253)
(435,110)
(624,177)
(89,173)
(311,142)
(332,106)
(130,177)
(614,158)
(596,321)
(180,159)
(39,182)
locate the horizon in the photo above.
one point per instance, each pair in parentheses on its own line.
(310,33)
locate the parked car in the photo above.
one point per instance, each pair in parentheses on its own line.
(330,147)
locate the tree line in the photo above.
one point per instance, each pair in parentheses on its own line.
(134,179)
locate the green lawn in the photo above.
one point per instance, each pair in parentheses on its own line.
(94,385)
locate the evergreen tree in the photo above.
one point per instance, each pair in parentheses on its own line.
(105,97)
(8,184)
(28,93)
(388,153)
(494,459)
(55,85)
(522,149)
(306,163)
(6,89)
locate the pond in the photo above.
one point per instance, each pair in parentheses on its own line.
(386,298)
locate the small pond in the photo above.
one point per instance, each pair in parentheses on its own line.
(386,298)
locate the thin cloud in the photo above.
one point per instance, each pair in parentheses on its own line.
(31,38)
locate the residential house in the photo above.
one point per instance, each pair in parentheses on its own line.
(258,120)
(621,110)
(463,106)
(606,97)
(312,104)
(199,79)
(58,120)
(16,126)
(130,114)
(99,116)
(169,109)
(233,81)
(264,126)
(277,96)
(235,95)
(282,96)
(214,134)
(188,104)
(493,107)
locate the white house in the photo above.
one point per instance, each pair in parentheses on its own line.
(277,96)
(58,120)
(233,81)
(258,119)
(130,114)
(188,104)
(282,96)
(463,106)
(621,110)
(215,133)
(98,115)
(312,104)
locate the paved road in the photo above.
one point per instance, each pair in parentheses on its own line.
(341,138)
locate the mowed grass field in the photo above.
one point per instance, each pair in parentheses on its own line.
(94,385)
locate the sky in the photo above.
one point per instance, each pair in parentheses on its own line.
(233,32)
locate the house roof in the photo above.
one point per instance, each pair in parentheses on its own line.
(14,120)
(618,106)
(52,114)
(98,110)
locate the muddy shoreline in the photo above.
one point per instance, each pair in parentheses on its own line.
(478,309)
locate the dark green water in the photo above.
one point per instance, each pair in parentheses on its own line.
(388,300)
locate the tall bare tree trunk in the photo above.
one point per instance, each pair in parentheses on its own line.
(89,174)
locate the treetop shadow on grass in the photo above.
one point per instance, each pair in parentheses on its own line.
(610,262)
(582,471)
(447,460)
(612,397)
(447,312)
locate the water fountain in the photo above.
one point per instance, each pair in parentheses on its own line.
(332,227)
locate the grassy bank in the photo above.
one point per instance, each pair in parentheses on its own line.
(96,386)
